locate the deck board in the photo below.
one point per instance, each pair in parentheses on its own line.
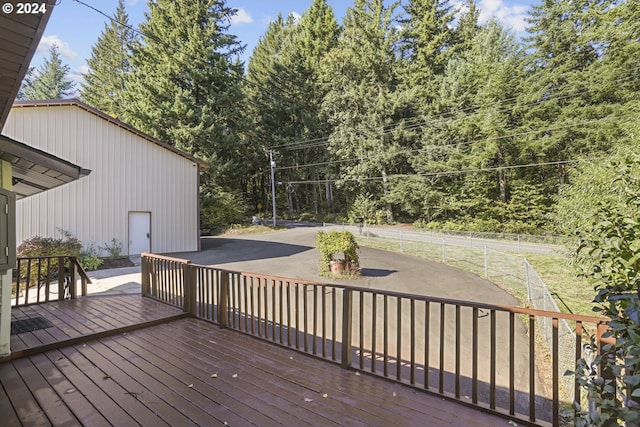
(86,316)
(162,375)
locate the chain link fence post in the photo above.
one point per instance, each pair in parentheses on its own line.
(527,279)
(486,263)
(444,250)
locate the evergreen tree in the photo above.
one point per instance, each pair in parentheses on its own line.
(268,91)
(363,103)
(26,81)
(50,80)
(285,67)
(427,42)
(310,40)
(472,134)
(109,64)
(467,25)
(556,95)
(266,104)
(185,86)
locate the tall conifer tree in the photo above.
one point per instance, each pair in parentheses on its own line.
(427,44)
(109,64)
(185,86)
(286,69)
(363,101)
(556,92)
(50,80)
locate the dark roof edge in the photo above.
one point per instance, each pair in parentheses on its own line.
(77,103)
(40,157)
(35,41)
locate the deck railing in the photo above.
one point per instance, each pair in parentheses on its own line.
(42,279)
(477,354)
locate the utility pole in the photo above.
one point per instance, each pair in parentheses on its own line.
(273,186)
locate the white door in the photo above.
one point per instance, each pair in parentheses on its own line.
(139,232)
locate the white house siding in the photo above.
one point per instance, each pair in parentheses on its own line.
(128,173)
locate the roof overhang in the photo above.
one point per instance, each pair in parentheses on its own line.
(19,38)
(33,170)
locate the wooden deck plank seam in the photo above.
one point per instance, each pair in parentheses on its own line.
(196,373)
(84,338)
(316,393)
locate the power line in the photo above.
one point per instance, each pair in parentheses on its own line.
(433,174)
(459,144)
(418,122)
(238,77)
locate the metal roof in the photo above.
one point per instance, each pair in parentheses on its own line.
(79,104)
(34,170)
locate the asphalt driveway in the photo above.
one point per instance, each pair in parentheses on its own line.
(292,254)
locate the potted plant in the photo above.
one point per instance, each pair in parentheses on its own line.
(338,253)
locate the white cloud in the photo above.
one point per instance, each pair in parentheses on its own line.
(241,17)
(76,75)
(63,47)
(83,69)
(512,17)
(296,16)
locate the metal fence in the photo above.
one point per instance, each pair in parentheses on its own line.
(486,257)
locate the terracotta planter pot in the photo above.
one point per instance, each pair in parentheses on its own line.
(338,266)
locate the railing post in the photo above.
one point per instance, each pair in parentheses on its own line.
(608,358)
(145,275)
(223,303)
(73,272)
(189,286)
(153,277)
(60,279)
(347,311)
(83,283)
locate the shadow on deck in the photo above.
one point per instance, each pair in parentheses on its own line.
(124,360)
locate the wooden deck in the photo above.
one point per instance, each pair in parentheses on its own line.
(77,319)
(190,372)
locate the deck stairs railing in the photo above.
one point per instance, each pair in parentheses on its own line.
(42,279)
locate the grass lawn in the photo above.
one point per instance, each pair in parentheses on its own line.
(237,230)
(571,293)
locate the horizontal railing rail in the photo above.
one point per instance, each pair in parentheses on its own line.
(41,279)
(478,354)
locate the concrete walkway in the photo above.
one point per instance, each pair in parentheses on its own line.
(114,281)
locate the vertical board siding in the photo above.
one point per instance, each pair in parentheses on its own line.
(128,173)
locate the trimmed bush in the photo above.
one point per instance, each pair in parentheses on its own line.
(337,242)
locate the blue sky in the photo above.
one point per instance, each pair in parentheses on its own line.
(74,28)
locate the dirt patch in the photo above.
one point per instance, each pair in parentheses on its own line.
(115,263)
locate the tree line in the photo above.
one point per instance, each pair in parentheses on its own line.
(411,111)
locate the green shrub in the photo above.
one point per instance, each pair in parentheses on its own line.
(609,255)
(221,208)
(49,246)
(337,242)
(364,209)
(307,217)
(88,258)
(68,245)
(114,249)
